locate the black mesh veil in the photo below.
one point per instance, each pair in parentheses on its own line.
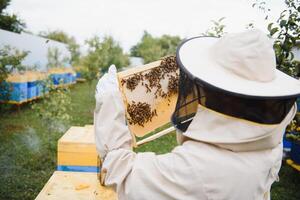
(192,91)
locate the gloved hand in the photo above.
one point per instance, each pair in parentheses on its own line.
(111,131)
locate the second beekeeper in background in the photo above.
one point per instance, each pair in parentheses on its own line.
(231,113)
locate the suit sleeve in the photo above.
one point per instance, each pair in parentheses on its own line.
(138,176)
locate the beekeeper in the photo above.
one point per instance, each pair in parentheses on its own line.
(231,113)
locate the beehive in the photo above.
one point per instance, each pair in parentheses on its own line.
(41,84)
(162,105)
(76,150)
(57,76)
(31,85)
(70,76)
(16,89)
(75,186)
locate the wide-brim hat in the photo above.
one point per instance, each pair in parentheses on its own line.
(242,64)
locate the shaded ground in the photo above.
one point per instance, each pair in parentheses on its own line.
(28,150)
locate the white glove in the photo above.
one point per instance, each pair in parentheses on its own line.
(111,131)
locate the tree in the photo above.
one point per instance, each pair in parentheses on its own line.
(10,61)
(151,48)
(10,22)
(286,33)
(55,59)
(217,28)
(102,54)
(169,44)
(63,37)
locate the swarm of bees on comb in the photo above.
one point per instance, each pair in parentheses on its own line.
(141,112)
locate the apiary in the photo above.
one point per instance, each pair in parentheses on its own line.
(76,150)
(149,94)
(75,186)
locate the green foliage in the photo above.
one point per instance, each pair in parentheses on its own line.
(10,22)
(285,31)
(293,130)
(294,137)
(10,60)
(29,151)
(216,29)
(63,37)
(102,54)
(55,59)
(54,106)
(152,49)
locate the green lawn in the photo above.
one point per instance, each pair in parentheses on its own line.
(28,150)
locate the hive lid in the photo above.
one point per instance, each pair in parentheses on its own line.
(75,186)
(17,78)
(78,139)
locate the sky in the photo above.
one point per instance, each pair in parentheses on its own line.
(126,20)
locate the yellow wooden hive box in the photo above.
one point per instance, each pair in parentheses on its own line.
(76,150)
(75,186)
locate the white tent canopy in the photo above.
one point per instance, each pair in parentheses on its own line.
(36,46)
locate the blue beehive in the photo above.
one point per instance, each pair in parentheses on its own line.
(41,84)
(70,78)
(31,85)
(66,78)
(57,76)
(57,79)
(295,152)
(70,75)
(73,77)
(78,75)
(15,90)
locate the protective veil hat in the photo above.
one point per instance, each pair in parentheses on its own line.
(242,63)
(234,75)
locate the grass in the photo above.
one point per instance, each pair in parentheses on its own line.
(28,150)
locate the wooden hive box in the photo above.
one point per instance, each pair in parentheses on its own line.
(138,87)
(32,78)
(17,85)
(76,150)
(75,186)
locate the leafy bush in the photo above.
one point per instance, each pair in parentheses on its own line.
(216,29)
(54,106)
(10,22)
(293,132)
(102,54)
(152,49)
(70,41)
(55,59)
(285,32)
(10,61)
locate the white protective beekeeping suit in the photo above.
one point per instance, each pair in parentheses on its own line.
(218,156)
